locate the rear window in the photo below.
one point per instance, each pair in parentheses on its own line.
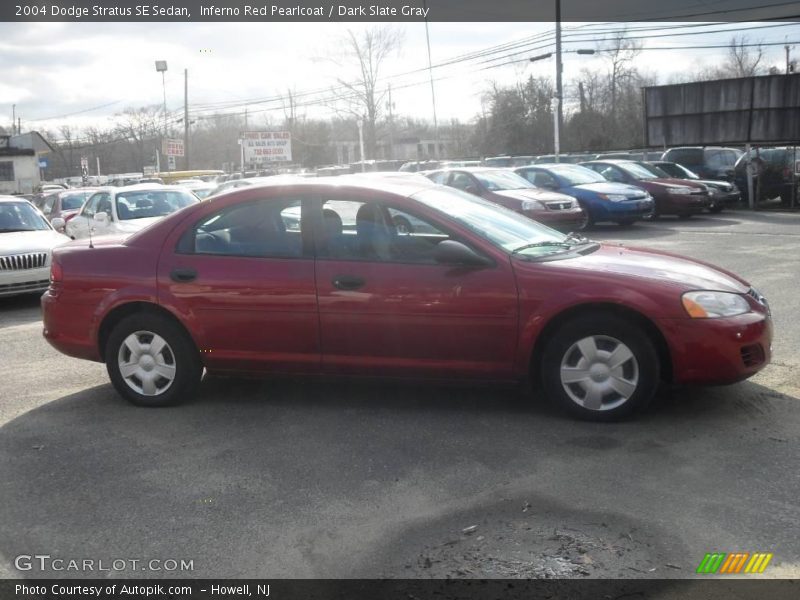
(74,201)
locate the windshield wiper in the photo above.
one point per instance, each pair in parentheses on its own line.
(574,236)
(541,245)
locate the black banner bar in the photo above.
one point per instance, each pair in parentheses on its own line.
(395,10)
(398,589)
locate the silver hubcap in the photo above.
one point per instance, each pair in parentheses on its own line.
(599,372)
(146,363)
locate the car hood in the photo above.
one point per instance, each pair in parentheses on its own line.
(30,241)
(533,194)
(663,183)
(665,268)
(609,187)
(720,185)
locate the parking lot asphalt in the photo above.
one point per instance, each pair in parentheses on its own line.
(321,479)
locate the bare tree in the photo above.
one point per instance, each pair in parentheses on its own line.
(619,52)
(140,126)
(362,97)
(744,59)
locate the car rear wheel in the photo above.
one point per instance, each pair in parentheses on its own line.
(151,361)
(715,209)
(600,368)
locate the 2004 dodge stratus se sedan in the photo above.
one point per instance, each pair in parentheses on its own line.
(470,290)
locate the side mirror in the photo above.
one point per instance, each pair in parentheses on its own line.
(451,252)
(58,224)
(101,218)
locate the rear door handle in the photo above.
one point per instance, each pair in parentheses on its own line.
(348,282)
(183,275)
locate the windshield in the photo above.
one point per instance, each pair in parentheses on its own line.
(501,227)
(74,201)
(577,175)
(637,171)
(657,171)
(21,216)
(679,171)
(142,204)
(501,180)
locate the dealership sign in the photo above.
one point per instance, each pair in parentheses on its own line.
(173,147)
(266,146)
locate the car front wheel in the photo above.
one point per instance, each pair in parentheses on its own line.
(600,368)
(151,361)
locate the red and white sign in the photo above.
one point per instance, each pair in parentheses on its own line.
(266,146)
(173,147)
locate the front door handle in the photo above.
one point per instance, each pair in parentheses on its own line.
(183,275)
(348,282)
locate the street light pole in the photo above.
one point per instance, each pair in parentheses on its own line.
(161,67)
(559,115)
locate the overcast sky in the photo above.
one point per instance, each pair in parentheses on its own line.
(84,73)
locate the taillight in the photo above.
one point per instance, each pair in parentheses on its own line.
(69,216)
(787,173)
(56,272)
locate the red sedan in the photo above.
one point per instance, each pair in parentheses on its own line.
(314,278)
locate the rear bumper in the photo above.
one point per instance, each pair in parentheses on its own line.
(67,327)
(718,351)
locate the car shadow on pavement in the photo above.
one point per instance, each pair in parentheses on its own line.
(299,479)
(18,310)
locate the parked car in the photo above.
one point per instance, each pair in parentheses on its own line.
(775,171)
(26,244)
(198,187)
(483,294)
(672,196)
(65,204)
(122,211)
(498,161)
(506,188)
(723,194)
(602,200)
(710,162)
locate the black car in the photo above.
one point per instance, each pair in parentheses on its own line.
(775,172)
(723,194)
(709,162)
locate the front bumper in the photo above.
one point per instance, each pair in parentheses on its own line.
(718,351)
(725,199)
(27,281)
(683,204)
(605,210)
(571,219)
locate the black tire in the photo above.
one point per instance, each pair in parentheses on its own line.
(715,209)
(180,353)
(642,367)
(589,219)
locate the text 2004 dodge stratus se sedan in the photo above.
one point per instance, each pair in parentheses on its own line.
(315,278)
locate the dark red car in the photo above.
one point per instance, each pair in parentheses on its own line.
(672,196)
(506,188)
(239,284)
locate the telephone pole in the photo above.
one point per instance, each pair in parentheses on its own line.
(186,117)
(559,117)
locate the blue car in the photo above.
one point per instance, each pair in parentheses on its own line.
(601,199)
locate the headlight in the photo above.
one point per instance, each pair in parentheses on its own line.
(711,305)
(679,190)
(613,197)
(532,205)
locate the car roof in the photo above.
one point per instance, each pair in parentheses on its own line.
(401,186)
(7,198)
